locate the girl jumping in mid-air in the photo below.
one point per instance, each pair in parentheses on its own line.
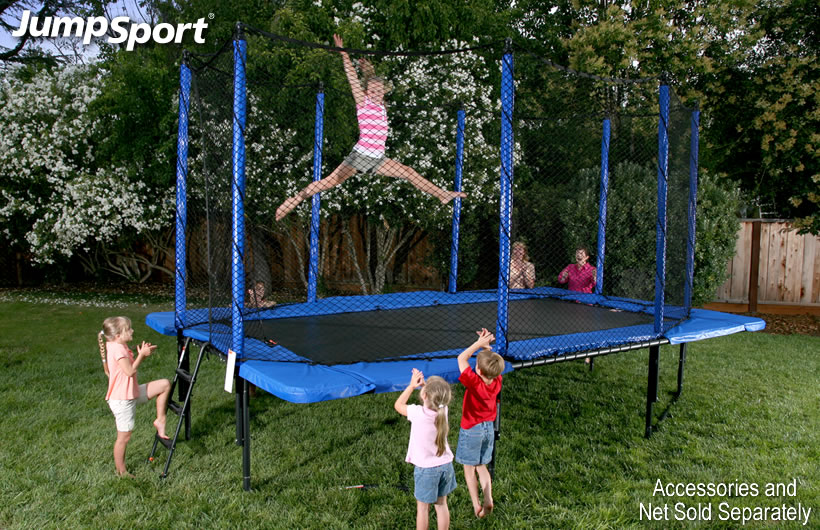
(124,393)
(428,449)
(368,154)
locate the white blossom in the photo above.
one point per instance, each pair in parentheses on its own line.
(55,198)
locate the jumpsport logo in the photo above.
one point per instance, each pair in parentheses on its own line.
(122,28)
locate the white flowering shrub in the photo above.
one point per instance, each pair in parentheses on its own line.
(56,197)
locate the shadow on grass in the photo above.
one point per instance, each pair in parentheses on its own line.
(656,425)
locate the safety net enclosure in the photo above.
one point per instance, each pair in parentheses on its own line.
(344,214)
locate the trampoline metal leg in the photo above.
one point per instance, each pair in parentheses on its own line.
(681,363)
(246,437)
(239,410)
(184,362)
(652,386)
(496,434)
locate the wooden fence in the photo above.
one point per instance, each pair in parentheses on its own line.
(786,266)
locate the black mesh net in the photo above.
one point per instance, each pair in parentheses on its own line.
(383,276)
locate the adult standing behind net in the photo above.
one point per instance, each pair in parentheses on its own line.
(522,270)
(368,155)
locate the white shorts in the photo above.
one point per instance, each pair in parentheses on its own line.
(364,163)
(125,410)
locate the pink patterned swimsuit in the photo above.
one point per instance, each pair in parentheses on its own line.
(373,129)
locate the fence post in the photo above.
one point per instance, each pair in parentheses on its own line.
(754,271)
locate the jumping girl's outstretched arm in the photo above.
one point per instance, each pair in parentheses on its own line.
(350,72)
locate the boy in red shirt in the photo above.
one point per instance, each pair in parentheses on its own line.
(476,437)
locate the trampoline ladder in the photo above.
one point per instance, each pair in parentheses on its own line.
(188,379)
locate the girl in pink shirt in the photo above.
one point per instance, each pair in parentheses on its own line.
(124,393)
(580,275)
(428,449)
(368,154)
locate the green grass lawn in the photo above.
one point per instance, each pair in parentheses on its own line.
(572,452)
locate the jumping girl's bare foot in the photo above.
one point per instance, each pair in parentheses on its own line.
(487,509)
(160,427)
(479,512)
(125,474)
(450,195)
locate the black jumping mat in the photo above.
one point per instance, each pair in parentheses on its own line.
(383,334)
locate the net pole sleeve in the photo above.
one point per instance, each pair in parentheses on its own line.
(238,197)
(602,207)
(318,131)
(453,278)
(505,201)
(181,214)
(660,227)
(694,140)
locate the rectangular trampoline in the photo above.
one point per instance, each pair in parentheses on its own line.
(592,176)
(300,352)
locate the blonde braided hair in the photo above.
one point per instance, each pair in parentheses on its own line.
(101,341)
(112,326)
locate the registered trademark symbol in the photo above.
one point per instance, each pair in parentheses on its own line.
(211,16)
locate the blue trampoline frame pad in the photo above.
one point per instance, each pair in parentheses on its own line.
(303,382)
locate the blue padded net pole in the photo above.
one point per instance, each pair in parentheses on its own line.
(660,227)
(180,253)
(693,198)
(505,201)
(457,204)
(601,251)
(240,49)
(313,268)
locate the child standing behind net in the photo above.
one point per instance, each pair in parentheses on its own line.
(368,155)
(580,275)
(428,449)
(124,393)
(476,437)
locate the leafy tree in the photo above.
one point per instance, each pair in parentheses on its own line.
(59,198)
(751,65)
(27,49)
(630,258)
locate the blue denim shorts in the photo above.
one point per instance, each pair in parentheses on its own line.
(434,482)
(475,445)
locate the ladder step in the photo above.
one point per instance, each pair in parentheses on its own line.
(183,374)
(175,407)
(181,409)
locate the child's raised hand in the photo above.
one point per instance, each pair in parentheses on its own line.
(417,379)
(337,40)
(484,338)
(146,349)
